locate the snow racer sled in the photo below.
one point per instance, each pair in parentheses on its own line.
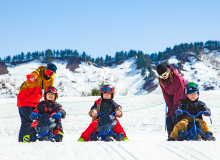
(193,130)
(105,127)
(44,127)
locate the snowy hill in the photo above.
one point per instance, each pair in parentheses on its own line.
(143,122)
(125,77)
(205,71)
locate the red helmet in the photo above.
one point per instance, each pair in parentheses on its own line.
(52,90)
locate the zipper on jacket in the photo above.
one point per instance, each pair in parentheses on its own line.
(32,92)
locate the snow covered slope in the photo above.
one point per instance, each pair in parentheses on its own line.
(143,121)
(205,74)
(125,77)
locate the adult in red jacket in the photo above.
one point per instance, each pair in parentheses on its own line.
(173,88)
(31,93)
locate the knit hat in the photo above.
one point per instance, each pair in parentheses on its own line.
(161,69)
(51,67)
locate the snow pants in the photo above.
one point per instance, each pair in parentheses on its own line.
(93,128)
(26,121)
(181,125)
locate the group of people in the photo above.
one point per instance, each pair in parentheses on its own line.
(178,96)
(29,106)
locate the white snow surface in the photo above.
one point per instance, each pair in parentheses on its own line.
(143,121)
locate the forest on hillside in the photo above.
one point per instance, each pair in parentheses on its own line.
(144,61)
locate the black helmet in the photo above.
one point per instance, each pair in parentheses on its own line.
(51,67)
(107,89)
(52,90)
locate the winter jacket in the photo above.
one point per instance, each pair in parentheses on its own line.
(173,91)
(31,92)
(109,103)
(192,107)
(50,108)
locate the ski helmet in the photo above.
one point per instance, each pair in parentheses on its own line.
(191,88)
(107,89)
(51,67)
(52,90)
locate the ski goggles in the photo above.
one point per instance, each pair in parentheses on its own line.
(191,86)
(165,74)
(51,89)
(106,89)
(49,73)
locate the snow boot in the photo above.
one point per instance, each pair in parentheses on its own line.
(170,139)
(30,135)
(125,139)
(59,137)
(81,140)
(120,137)
(209,136)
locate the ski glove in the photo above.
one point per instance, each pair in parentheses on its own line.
(33,115)
(207,113)
(179,112)
(58,115)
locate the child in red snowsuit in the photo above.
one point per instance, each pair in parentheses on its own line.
(104,104)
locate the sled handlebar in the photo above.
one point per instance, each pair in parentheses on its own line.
(41,115)
(99,113)
(200,112)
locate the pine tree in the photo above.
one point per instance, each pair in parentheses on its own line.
(28,56)
(84,55)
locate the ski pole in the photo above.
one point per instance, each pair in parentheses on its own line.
(165,117)
(210,120)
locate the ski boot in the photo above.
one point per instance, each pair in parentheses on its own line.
(81,140)
(59,137)
(30,135)
(120,137)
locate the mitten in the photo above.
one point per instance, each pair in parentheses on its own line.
(179,112)
(207,113)
(33,115)
(58,115)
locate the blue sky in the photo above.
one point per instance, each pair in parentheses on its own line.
(101,27)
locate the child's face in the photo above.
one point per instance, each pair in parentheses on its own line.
(107,95)
(50,96)
(193,96)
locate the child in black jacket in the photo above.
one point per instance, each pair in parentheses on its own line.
(193,106)
(51,107)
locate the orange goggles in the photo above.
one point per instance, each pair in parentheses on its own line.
(49,73)
(51,89)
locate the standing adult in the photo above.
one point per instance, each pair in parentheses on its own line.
(31,93)
(173,88)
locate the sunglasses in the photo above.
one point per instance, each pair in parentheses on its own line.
(49,73)
(192,86)
(165,74)
(51,89)
(106,89)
